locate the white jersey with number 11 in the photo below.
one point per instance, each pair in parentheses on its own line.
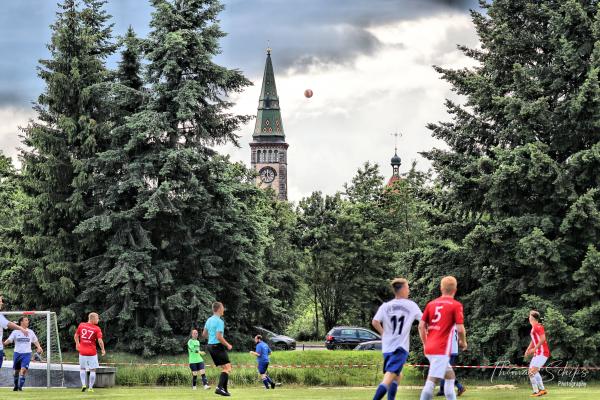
(397,317)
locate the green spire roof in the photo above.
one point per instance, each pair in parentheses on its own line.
(268,118)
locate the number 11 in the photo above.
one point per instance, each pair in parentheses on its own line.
(395,321)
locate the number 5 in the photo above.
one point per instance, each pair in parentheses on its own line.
(438,314)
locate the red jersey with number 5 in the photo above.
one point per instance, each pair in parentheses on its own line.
(441,316)
(88,334)
(536,334)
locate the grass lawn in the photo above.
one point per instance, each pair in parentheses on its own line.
(590,393)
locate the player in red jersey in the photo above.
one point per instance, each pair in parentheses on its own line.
(436,328)
(85,342)
(538,348)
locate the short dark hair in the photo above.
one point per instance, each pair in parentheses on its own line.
(259,337)
(216,306)
(21,320)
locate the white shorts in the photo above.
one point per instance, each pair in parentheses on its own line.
(538,361)
(438,365)
(89,362)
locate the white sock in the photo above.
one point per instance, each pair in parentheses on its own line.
(538,380)
(427,392)
(449,389)
(83,376)
(92,378)
(533,384)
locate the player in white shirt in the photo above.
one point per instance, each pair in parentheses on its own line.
(6,324)
(22,355)
(393,321)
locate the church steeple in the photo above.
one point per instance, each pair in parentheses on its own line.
(395,163)
(269,149)
(268,119)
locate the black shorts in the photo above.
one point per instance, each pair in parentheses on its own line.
(218,353)
(197,366)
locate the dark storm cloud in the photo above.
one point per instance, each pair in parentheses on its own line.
(315,32)
(302,33)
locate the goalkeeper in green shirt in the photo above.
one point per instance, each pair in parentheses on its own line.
(196,360)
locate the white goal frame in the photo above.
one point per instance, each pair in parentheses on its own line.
(49,335)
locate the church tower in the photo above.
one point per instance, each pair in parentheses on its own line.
(395,162)
(268,147)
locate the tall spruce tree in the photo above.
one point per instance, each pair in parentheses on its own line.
(68,130)
(184,224)
(517,210)
(13,202)
(121,261)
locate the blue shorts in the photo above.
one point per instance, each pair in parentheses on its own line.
(21,360)
(262,367)
(1,357)
(197,366)
(393,362)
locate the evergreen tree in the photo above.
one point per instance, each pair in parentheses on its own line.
(185,226)
(517,206)
(69,129)
(121,263)
(12,204)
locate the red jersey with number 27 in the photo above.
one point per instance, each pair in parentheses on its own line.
(88,334)
(441,316)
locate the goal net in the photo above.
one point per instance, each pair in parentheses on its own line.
(45,370)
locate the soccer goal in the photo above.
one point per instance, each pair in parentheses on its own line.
(46,370)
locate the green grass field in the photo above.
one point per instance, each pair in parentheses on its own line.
(590,393)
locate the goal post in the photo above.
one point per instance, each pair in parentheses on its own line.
(45,326)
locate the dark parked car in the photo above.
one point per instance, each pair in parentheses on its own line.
(347,337)
(372,345)
(275,341)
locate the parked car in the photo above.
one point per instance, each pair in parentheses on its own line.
(275,341)
(347,337)
(372,345)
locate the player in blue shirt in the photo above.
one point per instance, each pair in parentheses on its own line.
(262,357)
(214,329)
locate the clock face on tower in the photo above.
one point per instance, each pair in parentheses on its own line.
(267,174)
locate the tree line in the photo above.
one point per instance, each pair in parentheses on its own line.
(122,204)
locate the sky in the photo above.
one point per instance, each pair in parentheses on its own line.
(368,62)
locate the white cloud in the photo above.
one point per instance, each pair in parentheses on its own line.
(356,107)
(11,118)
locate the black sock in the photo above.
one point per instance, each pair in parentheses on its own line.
(16,379)
(226,382)
(222,380)
(204,380)
(194,379)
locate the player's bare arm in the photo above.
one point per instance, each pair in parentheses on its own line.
(255,354)
(12,325)
(76,337)
(377,325)
(529,350)
(423,332)
(101,344)
(7,342)
(204,333)
(462,336)
(222,340)
(38,348)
